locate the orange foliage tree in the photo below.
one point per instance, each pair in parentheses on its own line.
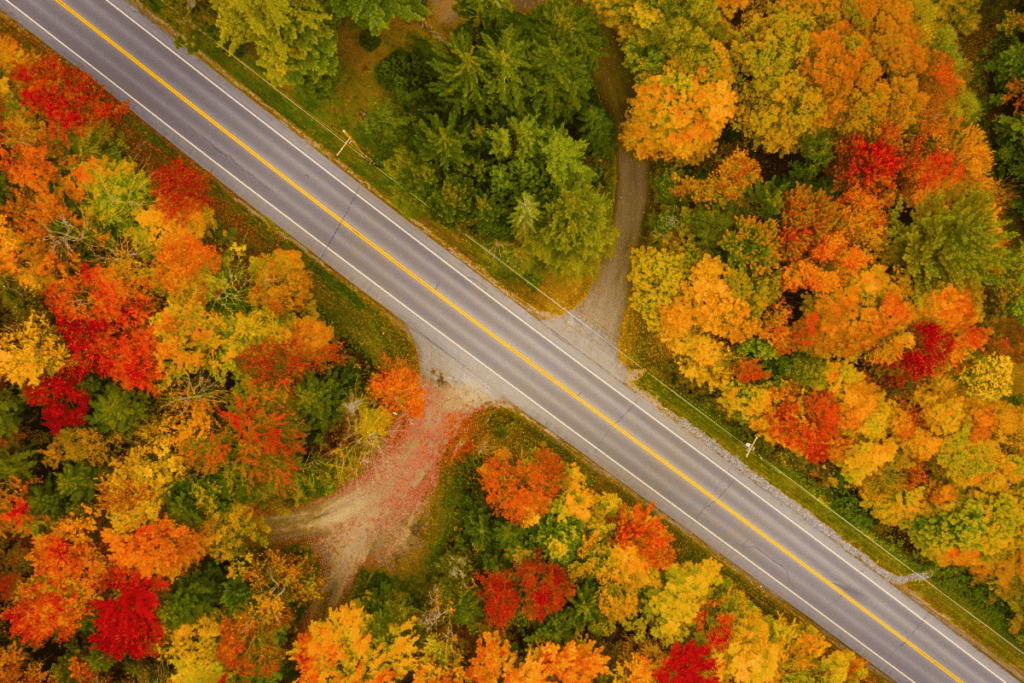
(103,318)
(807,424)
(67,576)
(640,526)
(162,548)
(397,387)
(521,489)
(677,116)
(573,662)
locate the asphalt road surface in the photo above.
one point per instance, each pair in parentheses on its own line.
(440,298)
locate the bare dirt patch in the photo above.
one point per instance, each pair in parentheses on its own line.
(373,521)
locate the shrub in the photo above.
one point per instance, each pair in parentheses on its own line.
(368,41)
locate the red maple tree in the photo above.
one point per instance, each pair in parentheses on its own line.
(67,97)
(501,597)
(179,188)
(63,403)
(281,363)
(642,527)
(872,165)
(688,663)
(104,321)
(266,438)
(807,424)
(926,358)
(546,588)
(126,624)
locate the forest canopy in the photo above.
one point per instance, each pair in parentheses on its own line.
(161,389)
(834,251)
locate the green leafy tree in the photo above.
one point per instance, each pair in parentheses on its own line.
(117,410)
(505,62)
(294,40)
(954,237)
(568,43)
(578,232)
(375,15)
(460,76)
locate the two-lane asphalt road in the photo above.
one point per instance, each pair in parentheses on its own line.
(437,296)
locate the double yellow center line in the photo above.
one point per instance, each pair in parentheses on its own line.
(505,344)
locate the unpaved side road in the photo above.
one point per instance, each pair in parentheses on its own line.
(605,303)
(373,521)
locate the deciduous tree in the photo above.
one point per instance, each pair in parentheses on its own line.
(266,441)
(103,317)
(397,387)
(645,529)
(678,116)
(807,424)
(294,40)
(521,489)
(281,282)
(340,648)
(127,625)
(179,188)
(545,587)
(501,596)
(673,611)
(67,575)
(67,97)
(33,350)
(687,663)
(161,548)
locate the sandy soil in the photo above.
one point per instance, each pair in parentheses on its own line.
(373,521)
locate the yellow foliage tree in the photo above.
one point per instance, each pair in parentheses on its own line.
(676,116)
(673,610)
(31,351)
(77,444)
(192,651)
(989,377)
(281,282)
(340,649)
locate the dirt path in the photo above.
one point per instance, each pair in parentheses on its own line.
(373,520)
(605,303)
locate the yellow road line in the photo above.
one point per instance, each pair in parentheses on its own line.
(743,520)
